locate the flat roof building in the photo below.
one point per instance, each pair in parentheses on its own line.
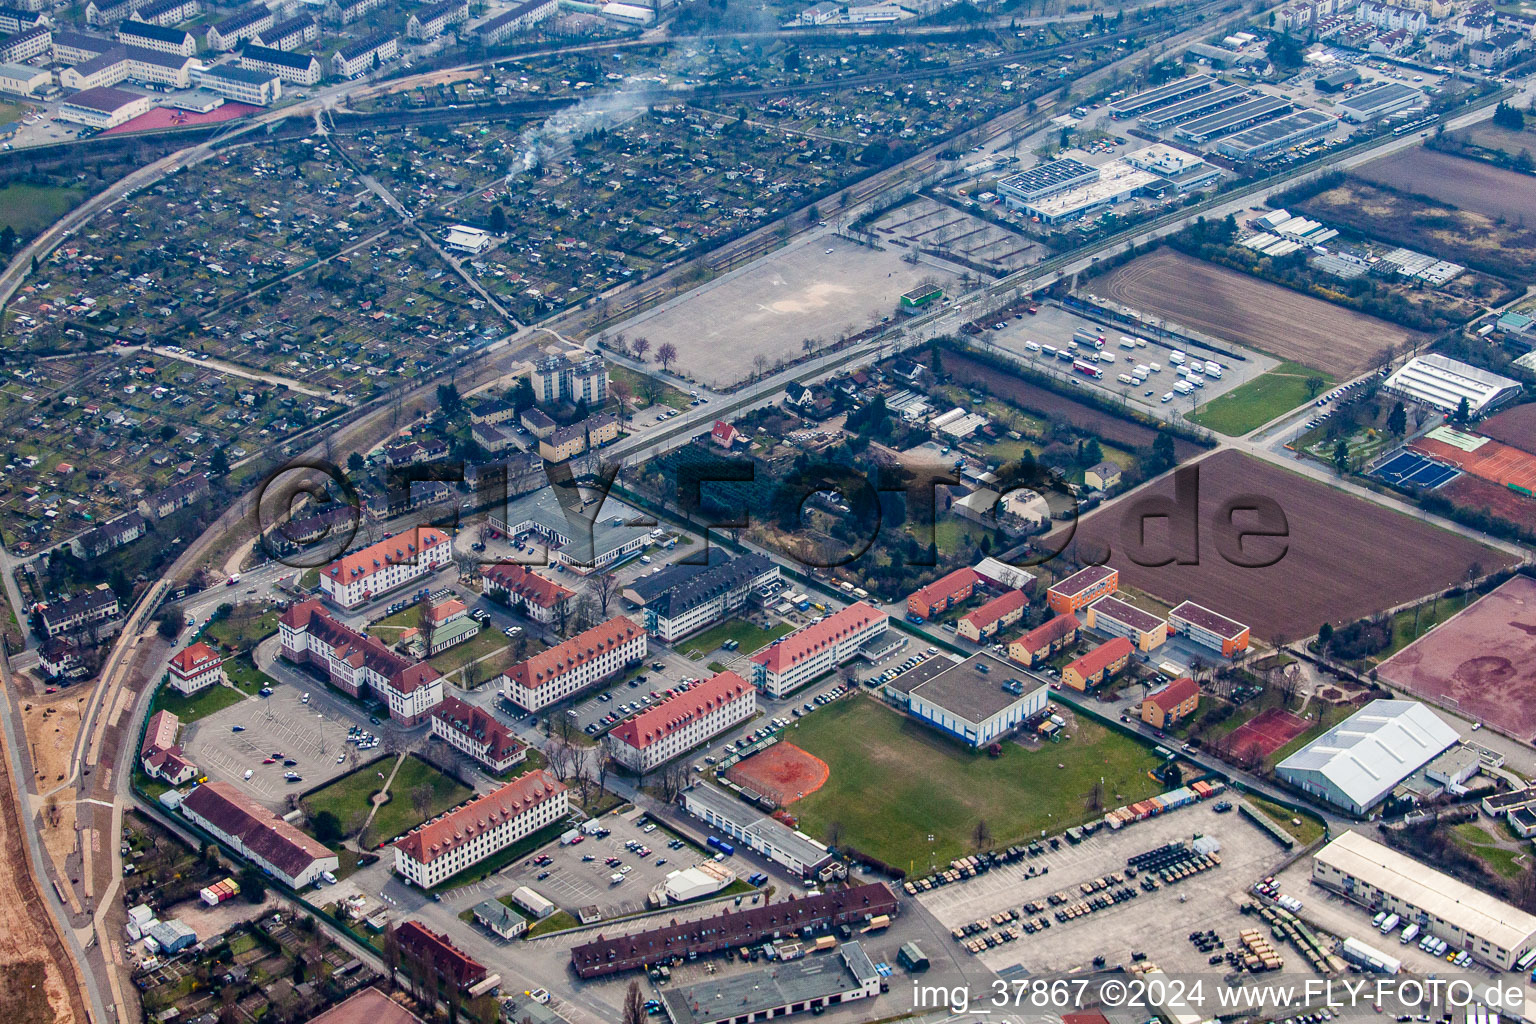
(1046,179)
(1265,140)
(1369,103)
(1358,762)
(1443,382)
(1115,617)
(1162,95)
(1082,588)
(1208,628)
(1383,879)
(977,701)
(808,984)
(742,823)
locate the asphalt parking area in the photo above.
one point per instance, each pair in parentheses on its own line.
(312,735)
(573,882)
(1157,923)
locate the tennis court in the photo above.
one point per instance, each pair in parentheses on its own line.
(1267,731)
(1410,469)
(1486,458)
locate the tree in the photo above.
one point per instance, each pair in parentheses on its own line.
(1314,385)
(218,463)
(1463,411)
(498,219)
(327,827)
(421,799)
(634,1005)
(448,399)
(665,354)
(1509,117)
(640,346)
(522,395)
(425,622)
(168,625)
(1285,51)
(1341,456)
(981,835)
(253,885)
(1397,420)
(1324,636)
(356,464)
(604,587)
(935,361)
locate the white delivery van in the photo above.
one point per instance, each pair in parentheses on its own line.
(1176,357)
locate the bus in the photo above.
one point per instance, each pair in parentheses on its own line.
(1527,962)
(1087,370)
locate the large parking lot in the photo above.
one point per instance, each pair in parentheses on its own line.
(313,735)
(580,875)
(1052,325)
(1157,923)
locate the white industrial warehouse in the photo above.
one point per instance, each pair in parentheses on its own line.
(1443,382)
(1383,879)
(1358,762)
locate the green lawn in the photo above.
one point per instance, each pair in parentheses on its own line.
(1251,405)
(1479,843)
(1408,626)
(751,637)
(28,209)
(243,627)
(641,385)
(559,921)
(483,643)
(895,781)
(1309,831)
(199,705)
(243,673)
(349,798)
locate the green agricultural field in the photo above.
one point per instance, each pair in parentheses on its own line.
(349,798)
(751,637)
(894,782)
(28,209)
(1251,405)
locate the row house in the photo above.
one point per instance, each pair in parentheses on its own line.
(108,537)
(477,733)
(180,495)
(568,668)
(433,20)
(1391,18)
(441,848)
(93,610)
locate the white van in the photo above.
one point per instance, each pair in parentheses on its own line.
(615,879)
(305,698)
(1176,357)
(1032,346)
(1168,397)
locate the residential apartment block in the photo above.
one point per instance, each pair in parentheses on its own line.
(247,23)
(703,597)
(562,379)
(478,733)
(356,663)
(298,68)
(813,650)
(1044,640)
(379,568)
(683,721)
(994,616)
(574,665)
(362,56)
(539,598)
(462,838)
(433,20)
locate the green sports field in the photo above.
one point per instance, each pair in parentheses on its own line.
(1251,405)
(894,782)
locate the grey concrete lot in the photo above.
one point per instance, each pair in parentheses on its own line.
(770,306)
(1053,325)
(1157,923)
(314,735)
(575,882)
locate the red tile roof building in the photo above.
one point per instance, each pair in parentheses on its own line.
(391,563)
(571,667)
(1003,610)
(195,668)
(477,732)
(357,663)
(943,593)
(1179,699)
(1082,588)
(462,838)
(812,650)
(1097,665)
(1044,640)
(437,954)
(683,721)
(370,1006)
(160,754)
(526,591)
(257,834)
(724,434)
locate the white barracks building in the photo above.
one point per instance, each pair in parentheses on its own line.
(683,721)
(584,659)
(195,667)
(464,837)
(815,649)
(379,568)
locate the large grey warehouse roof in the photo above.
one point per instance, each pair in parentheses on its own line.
(1455,902)
(799,981)
(1159,95)
(1366,100)
(974,693)
(1443,382)
(1373,750)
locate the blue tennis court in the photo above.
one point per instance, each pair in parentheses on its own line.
(1410,469)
